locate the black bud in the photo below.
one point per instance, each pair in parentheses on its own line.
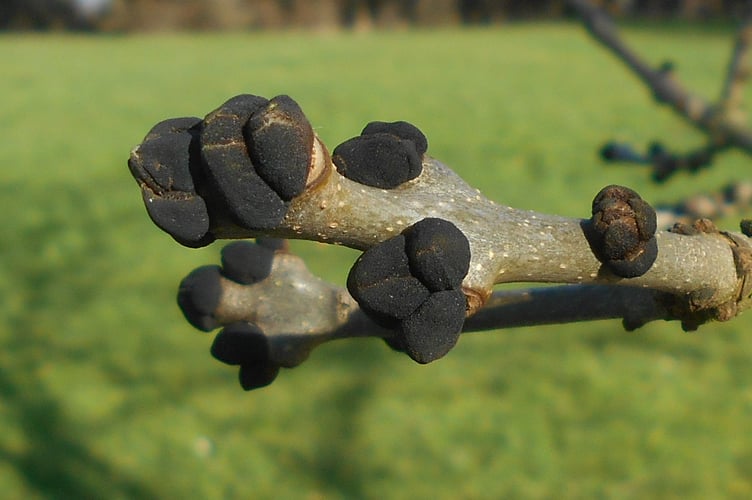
(164,165)
(644,216)
(185,219)
(246,262)
(378,160)
(199,295)
(638,265)
(621,232)
(746,227)
(384,260)
(241,190)
(392,298)
(438,253)
(403,130)
(257,375)
(381,283)
(165,156)
(172,126)
(246,345)
(434,328)
(619,239)
(224,125)
(280,142)
(240,343)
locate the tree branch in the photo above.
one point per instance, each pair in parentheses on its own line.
(292,302)
(723,122)
(507,245)
(738,69)
(293,311)
(434,247)
(664,163)
(666,89)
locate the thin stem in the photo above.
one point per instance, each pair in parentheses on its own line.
(738,66)
(711,119)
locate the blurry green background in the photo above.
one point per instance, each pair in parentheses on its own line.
(106,392)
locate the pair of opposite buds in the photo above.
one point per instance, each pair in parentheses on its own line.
(244,162)
(425,314)
(240,168)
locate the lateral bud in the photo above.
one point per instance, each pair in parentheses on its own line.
(621,232)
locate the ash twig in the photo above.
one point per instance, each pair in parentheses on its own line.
(434,247)
(278,320)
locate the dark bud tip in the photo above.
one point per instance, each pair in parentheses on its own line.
(246,345)
(396,343)
(621,232)
(438,253)
(257,375)
(165,157)
(401,129)
(224,125)
(636,265)
(280,141)
(185,219)
(434,328)
(198,296)
(240,343)
(384,260)
(246,263)
(250,201)
(381,283)
(379,160)
(172,126)
(645,218)
(164,165)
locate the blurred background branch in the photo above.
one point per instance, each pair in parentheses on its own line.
(161,15)
(722,122)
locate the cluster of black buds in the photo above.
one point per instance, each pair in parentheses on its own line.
(240,343)
(409,285)
(238,169)
(412,282)
(384,155)
(244,162)
(241,166)
(254,168)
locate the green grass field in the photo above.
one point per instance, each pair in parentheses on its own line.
(106,392)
